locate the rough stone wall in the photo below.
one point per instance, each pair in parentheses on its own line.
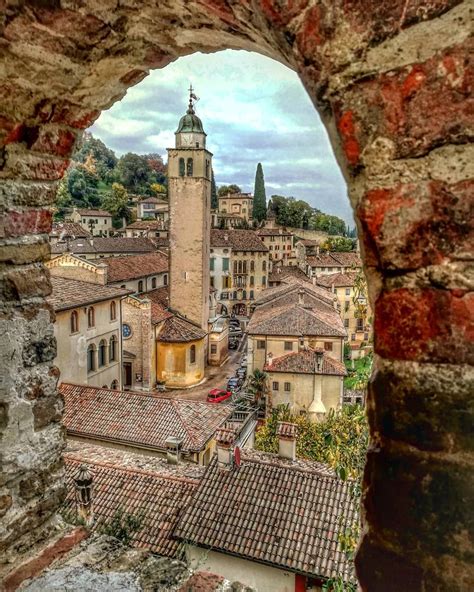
(392,82)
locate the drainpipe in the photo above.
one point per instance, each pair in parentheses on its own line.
(120,346)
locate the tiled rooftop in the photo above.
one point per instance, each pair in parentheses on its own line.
(156,498)
(178,330)
(282,272)
(92,212)
(135,266)
(274,512)
(140,419)
(69,229)
(238,240)
(145,225)
(274,232)
(334,259)
(68,293)
(99,245)
(291,285)
(338,280)
(304,362)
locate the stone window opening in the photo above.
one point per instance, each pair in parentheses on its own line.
(114,385)
(91,317)
(353,106)
(182,167)
(192,354)
(91,358)
(113,311)
(140,286)
(113,349)
(153,282)
(74,322)
(102,357)
(189,167)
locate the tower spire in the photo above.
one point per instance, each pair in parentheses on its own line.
(191,97)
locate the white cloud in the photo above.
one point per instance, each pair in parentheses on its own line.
(253,109)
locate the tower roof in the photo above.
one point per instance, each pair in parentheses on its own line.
(190,122)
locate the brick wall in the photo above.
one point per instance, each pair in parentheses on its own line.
(392,83)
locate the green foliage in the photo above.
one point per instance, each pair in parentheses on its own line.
(105,159)
(122,526)
(297,213)
(64,199)
(359,373)
(338,243)
(225,189)
(337,584)
(135,173)
(339,441)
(214,200)
(257,385)
(116,202)
(82,186)
(327,223)
(259,196)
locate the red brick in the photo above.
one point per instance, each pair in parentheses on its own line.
(415,225)
(425,325)
(35,566)
(33,167)
(417,107)
(347,129)
(28,281)
(18,223)
(55,141)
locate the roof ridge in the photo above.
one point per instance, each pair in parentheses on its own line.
(300,469)
(109,464)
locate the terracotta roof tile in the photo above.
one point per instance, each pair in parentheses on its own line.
(178,330)
(92,212)
(135,266)
(334,259)
(99,244)
(274,232)
(155,200)
(139,418)
(275,512)
(238,240)
(291,286)
(68,293)
(69,229)
(157,499)
(285,429)
(282,272)
(305,362)
(146,225)
(336,279)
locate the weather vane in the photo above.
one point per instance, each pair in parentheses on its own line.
(192,98)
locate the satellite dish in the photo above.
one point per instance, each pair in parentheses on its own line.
(237,456)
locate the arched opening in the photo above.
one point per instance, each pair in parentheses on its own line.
(114,385)
(390,84)
(189,167)
(102,353)
(192,354)
(74,322)
(113,349)
(113,311)
(91,358)
(91,317)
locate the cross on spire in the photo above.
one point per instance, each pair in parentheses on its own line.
(192,99)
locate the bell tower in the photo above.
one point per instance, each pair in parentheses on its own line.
(189,192)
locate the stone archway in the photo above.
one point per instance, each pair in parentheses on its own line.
(391,81)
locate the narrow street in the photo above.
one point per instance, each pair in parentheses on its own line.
(216,376)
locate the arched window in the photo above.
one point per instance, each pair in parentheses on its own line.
(91,366)
(245,266)
(113,349)
(192,354)
(74,322)
(181,167)
(252,265)
(189,167)
(113,311)
(207,170)
(102,353)
(251,295)
(252,280)
(153,282)
(244,295)
(91,317)
(140,286)
(114,385)
(165,280)
(264,266)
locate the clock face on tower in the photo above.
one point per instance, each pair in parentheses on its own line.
(186,140)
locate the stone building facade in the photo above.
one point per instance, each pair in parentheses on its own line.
(391,82)
(239,205)
(97,222)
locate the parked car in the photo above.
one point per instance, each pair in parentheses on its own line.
(241,373)
(218,395)
(234,384)
(243,362)
(234,332)
(234,323)
(233,343)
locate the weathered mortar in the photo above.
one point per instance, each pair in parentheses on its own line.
(393,85)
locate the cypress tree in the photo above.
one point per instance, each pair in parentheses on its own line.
(214,200)
(259,197)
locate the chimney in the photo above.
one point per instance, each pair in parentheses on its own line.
(269,359)
(173,450)
(225,438)
(83,484)
(301,296)
(314,280)
(287,433)
(317,250)
(226,237)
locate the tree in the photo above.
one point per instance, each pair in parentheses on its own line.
(257,385)
(214,200)
(63,199)
(327,223)
(225,189)
(116,202)
(134,172)
(82,186)
(338,243)
(259,196)
(105,159)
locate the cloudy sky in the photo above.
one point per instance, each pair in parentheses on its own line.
(253,110)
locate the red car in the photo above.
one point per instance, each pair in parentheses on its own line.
(218,395)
